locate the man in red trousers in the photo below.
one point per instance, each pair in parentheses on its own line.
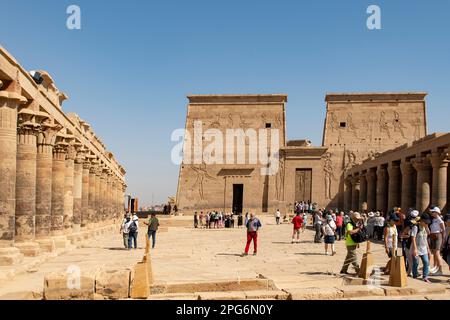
(253,226)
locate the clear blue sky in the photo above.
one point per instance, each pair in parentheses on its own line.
(130,67)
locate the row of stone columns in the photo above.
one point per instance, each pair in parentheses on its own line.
(417,182)
(51,186)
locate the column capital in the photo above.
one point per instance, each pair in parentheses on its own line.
(406,167)
(355,179)
(438,159)
(381,172)
(60,150)
(421,163)
(371,174)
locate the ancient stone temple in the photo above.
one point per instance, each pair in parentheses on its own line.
(57,180)
(358,127)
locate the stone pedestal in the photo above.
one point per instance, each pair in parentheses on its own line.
(46,244)
(10,256)
(28,249)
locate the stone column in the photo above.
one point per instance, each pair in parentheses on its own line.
(68,189)
(371,176)
(92,193)
(26,185)
(44,165)
(394,186)
(108,195)
(423,169)
(85,191)
(97,211)
(58,183)
(77,192)
(347,194)
(102,198)
(9,102)
(362,192)
(355,192)
(407,171)
(439,162)
(382,189)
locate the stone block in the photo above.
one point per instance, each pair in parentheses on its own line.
(64,286)
(266,295)
(398,291)
(315,294)
(361,291)
(46,245)
(28,249)
(227,285)
(61,242)
(140,288)
(229,295)
(10,256)
(174,296)
(113,284)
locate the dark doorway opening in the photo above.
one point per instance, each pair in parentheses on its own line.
(303,184)
(238,198)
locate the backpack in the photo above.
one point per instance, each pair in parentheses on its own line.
(133,227)
(361,235)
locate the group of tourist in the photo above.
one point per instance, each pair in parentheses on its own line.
(217,220)
(304,206)
(129,229)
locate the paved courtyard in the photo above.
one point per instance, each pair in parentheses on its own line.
(187,255)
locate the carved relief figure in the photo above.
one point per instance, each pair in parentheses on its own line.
(350,160)
(279,180)
(243,124)
(263,120)
(370,126)
(230,121)
(329,174)
(384,126)
(398,126)
(333,121)
(417,128)
(202,174)
(279,122)
(216,124)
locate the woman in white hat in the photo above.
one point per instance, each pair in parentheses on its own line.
(437,233)
(370,224)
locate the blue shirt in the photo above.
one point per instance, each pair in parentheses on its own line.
(253,225)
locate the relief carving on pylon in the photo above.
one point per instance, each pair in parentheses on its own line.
(328,173)
(202,176)
(279,180)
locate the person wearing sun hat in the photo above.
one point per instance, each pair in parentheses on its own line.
(420,248)
(370,224)
(411,222)
(351,228)
(391,238)
(437,230)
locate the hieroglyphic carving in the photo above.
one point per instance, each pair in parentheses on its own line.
(279,121)
(329,174)
(417,124)
(202,174)
(332,122)
(216,124)
(350,160)
(398,125)
(263,120)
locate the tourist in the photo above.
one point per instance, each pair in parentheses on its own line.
(201,219)
(125,230)
(391,239)
(317,226)
(437,233)
(411,221)
(240,220)
(378,225)
(253,226)
(277,216)
(153,224)
(195,220)
(370,224)
(351,258)
(310,207)
(207,217)
(329,230)
(297,221)
(419,247)
(133,232)
(446,246)
(339,224)
(246,218)
(305,221)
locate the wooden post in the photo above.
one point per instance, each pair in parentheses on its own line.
(366,263)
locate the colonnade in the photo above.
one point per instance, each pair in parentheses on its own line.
(409,182)
(56,178)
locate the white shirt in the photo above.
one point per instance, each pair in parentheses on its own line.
(329,228)
(435,226)
(278,214)
(391,232)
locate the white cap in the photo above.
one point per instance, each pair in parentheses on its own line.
(435,209)
(414,213)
